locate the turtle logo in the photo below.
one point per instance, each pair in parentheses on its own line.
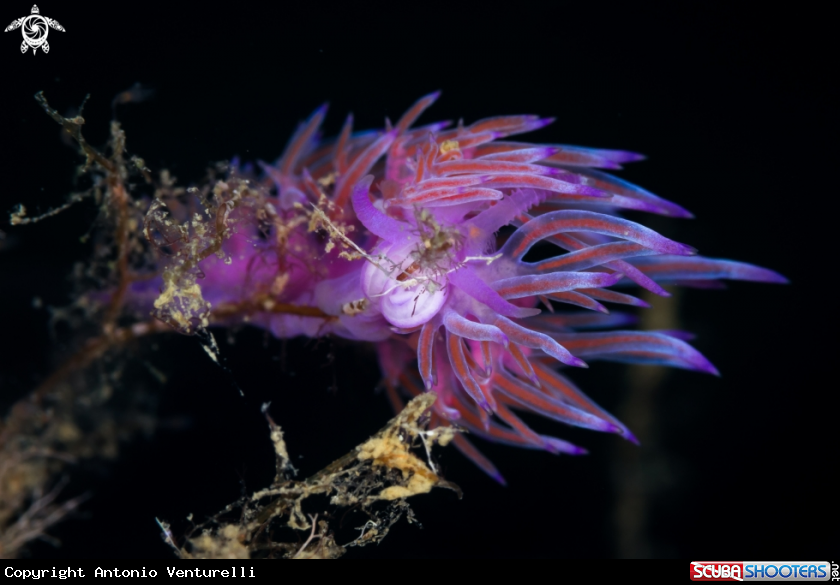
(35,28)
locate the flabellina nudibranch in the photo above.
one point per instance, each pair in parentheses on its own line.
(414,239)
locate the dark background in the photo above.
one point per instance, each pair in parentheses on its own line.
(737,113)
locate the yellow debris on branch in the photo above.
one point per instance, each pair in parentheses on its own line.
(374,480)
(390,448)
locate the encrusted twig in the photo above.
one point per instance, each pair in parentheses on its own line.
(41,433)
(375,479)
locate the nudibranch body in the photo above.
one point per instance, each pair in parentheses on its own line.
(393,237)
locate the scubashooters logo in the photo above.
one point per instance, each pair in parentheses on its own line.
(35,29)
(762,571)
